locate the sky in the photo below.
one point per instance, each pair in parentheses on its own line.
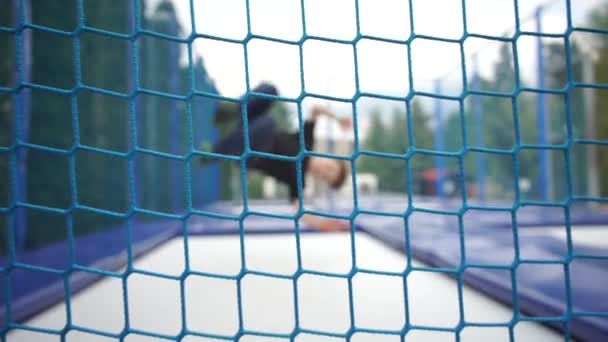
(382,67)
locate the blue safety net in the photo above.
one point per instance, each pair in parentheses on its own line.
(105,108)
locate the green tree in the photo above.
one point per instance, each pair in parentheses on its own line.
(498,126)
(557,77)
(394,176)
(453,131)
(423,136)
(397,137)
(392,137)
(599,20)
(375,141)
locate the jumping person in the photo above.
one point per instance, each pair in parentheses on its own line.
(265,137)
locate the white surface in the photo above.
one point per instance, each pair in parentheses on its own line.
(268,303)
(589,236)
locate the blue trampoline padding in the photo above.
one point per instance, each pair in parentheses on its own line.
(537,216)
(540,287)
(34,290)
(527,216)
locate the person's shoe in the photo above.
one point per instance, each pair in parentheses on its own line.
(333,225)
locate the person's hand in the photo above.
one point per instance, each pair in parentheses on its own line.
(346,123)
(332,225)
(318,110)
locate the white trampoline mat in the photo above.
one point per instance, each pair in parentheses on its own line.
(268,304)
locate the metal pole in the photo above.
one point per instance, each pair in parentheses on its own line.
(439,145)
(479,139)
(23,47)
(174,112)
(138,125)
(544,175)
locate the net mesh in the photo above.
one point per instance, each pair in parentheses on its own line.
(148,127)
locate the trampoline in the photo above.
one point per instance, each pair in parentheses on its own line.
(212,302)
(429,247)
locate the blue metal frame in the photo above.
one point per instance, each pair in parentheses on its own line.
(22,99)
(174,117)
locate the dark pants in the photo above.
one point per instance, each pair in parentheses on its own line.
(264,137)
(262,131)
(261,125)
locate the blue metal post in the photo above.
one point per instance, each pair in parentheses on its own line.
(139,127)
(197,103)
(210,181)
(479,138)
(544,175)
(131,84)
(23,49)
(174,120)
(148,121)
(439,145)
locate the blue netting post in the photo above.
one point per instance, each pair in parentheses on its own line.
(21,15)
(439,164)
(152,165)
(544,176)
(132,87)
(480,161)
(174,120)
